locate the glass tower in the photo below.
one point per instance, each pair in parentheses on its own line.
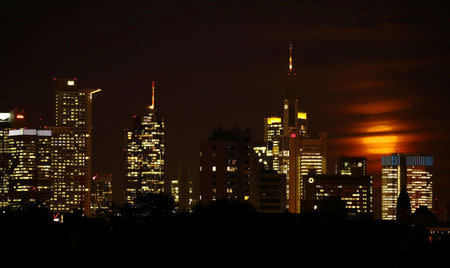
(145,154)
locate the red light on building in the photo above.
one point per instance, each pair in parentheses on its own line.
(293,135)
(20,116)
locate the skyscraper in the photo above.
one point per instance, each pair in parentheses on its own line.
(307,157)
(294,116)
(8,121)
(72,146)
(410,171)
(273,134)
(145,154)
(30,173)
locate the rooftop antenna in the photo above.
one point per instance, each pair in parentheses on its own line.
(291,59)
(152,107)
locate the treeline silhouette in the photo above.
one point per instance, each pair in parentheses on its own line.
(224,232)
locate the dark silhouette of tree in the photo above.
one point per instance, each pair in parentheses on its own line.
(403,211)
(423,216)
(148,206)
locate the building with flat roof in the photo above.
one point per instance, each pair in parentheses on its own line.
(30,170)
(353,166)
(411,171)
(225,166)
(354,191)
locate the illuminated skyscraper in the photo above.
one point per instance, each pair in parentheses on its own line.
(145,154)
(289,144)
(410,171)
(73,145)
(101,193)
(354,166)
(273,134)
(30,173)
(70,190)
(307,157)
(294,116)
(8,121)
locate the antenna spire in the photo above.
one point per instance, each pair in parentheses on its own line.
(152,107)
(291,56)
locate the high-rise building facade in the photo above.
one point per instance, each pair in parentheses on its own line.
(353,166)
(145,154)
(273,134)
(8,121)
(101,193)
(411,171)
(225,166)
(73,143)
(354,191)
(30,172)
(289,144)
(307,157)
(70,190)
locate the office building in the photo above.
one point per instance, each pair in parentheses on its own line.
(307,157)
(268,191)
(73,108)
(273,134)
(9,120)
(70,186)
(225,166)
(30,170)
(145,154)
(353,166)
(72,146)
(354,191)
(101,193)
(411,171)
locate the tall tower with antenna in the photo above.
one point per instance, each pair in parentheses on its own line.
(145,153)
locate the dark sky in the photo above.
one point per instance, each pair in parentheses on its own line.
(374,76)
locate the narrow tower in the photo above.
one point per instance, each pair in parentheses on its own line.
(145,153)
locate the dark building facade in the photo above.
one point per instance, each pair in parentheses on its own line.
(101,193)
(268,191)
(225,166)
(353,166)
(354,191)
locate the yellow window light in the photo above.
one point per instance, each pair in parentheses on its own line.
(301,116)
(272,120)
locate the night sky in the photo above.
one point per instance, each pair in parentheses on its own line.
(375,77)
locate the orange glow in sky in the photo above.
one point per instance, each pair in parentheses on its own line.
(382,142)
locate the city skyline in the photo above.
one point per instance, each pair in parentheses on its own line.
(368,105)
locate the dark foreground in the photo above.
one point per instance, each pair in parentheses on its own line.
(222,239)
